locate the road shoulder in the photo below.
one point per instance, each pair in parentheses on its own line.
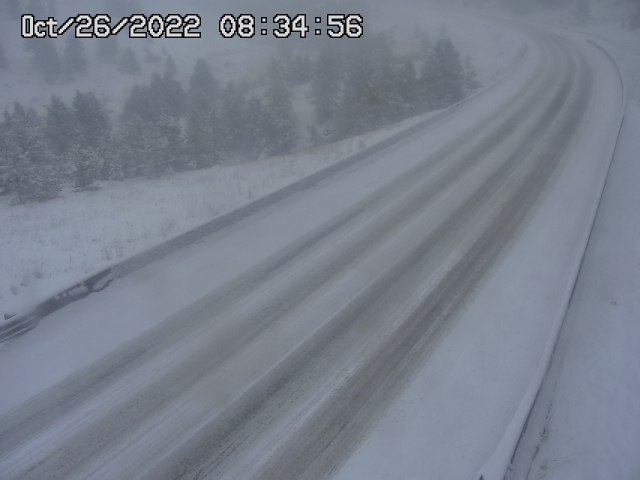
(592,430)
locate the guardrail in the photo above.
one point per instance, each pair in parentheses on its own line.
(21,324)
(500,466)
(26,321)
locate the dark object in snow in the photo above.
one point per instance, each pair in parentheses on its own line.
(19,325)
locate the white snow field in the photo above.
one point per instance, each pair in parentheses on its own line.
(293,343)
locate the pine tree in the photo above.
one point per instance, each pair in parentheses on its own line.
(74,56)
(443,76)
(7,156)
(361,101)
(86,166)
(396,89)
(203,82)
(128,162)
(406,88)
(138,104)
(280,124)
(92,119)
(149,148)
(232,119)
(4,64)
(325,84)
(61,128)
(370,94)
(94,133)
(255,128)
(201,135)
(138,148)
(163,95)
(32,174)
(167,96)
(171,145)
(201,149)
(154,161)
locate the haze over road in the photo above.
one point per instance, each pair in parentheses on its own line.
(311,313)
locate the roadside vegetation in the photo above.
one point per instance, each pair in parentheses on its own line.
(168,126)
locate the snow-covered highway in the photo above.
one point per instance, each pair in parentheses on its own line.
(267,349)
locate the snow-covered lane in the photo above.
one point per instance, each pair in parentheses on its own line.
(350,273)
(479,376)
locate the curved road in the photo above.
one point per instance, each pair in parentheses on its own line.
(276,371)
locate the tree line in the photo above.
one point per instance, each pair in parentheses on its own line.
(165,126)
(367,86)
